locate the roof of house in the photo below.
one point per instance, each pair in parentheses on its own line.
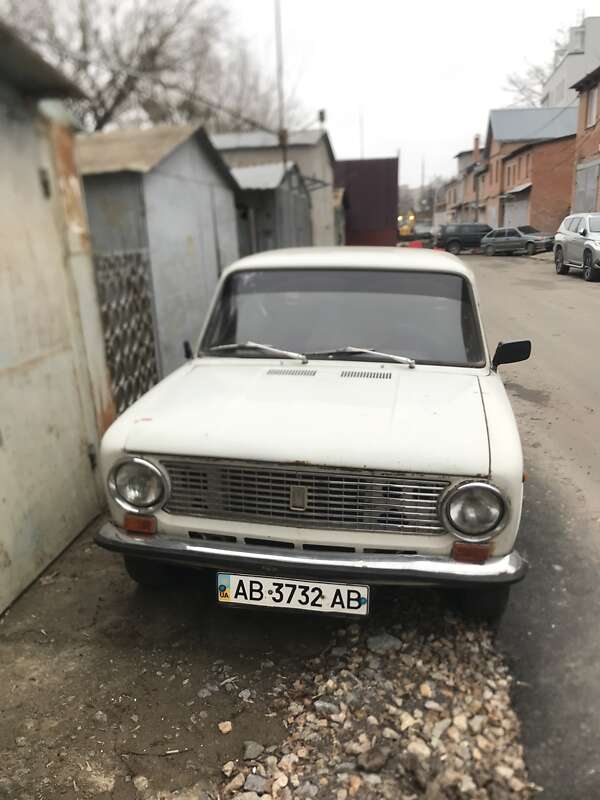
(262,176)
(141,149)
(259,140)
(531,124)
(588,81)
(352,257)
(28,72)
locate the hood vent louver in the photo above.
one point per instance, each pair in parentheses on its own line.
(291,371)
(365,374)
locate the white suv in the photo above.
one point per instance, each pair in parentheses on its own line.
(577,244)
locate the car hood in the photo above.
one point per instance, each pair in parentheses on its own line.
(428,419)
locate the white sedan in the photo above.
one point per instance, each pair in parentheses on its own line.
(339,424)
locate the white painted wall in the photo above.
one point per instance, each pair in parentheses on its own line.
(574,65)
(54,396)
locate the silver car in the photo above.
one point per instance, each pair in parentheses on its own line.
(523,238)
(577,244)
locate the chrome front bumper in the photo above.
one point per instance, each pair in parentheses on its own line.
(374,569)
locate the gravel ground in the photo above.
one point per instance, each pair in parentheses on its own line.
(416,712)
(110,692)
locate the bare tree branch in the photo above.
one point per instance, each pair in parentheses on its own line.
(151,61)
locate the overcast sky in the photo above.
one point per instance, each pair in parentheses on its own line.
(424,73)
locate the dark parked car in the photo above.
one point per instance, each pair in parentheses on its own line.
(523,238)
(461,236)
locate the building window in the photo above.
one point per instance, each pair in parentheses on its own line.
(497,171)
(527,164)
(592,107)
(520,165)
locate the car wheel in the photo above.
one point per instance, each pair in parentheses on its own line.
(483,603)
(531,249)
(454,248)
(148,573)
(590,273)
(559,262)
(489,250)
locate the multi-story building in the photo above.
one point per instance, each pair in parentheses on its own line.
(576,58)
(587,145)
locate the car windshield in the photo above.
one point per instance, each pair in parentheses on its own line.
(594,223)
(427,316)
(527,229)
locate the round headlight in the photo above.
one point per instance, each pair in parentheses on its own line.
(138,483)
(474,510)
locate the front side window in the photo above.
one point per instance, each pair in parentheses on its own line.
(592,107)
(594,223)
(428,316)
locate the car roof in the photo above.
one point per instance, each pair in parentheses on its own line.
(399,258)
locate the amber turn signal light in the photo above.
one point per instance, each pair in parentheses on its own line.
(135,523)
(470,552)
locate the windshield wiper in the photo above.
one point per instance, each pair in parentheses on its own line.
(365,350)
(266,348)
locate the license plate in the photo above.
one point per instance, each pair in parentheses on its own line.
(330,598)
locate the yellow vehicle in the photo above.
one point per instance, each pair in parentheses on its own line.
(406,225)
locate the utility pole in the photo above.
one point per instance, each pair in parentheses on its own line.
(282,133)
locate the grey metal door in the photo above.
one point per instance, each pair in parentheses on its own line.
(516,211)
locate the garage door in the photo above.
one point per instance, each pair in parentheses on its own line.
(516,212)
(586,188)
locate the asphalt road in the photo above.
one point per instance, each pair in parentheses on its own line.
(551,632)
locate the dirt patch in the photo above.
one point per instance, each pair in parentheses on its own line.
(107,691)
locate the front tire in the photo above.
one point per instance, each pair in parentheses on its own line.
(489,250)
(484,603)
(590,273)
(454,248)
(531,249)
(148,573)
(559,262)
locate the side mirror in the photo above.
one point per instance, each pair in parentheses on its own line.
(511,352)
(187,350)
(583,232)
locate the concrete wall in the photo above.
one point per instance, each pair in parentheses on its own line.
(54,389)
(192,236)
(313,162)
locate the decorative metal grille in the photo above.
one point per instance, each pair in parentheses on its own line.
(125,295)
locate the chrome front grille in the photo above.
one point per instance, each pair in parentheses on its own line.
(303,496)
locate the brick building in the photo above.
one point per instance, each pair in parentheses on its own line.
(537,183)
(587,145)
(512,135)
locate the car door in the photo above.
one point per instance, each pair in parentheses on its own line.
(576,241)
(499,240)
(512,241)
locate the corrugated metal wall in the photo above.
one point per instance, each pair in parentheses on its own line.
(192,236)
(54,392)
